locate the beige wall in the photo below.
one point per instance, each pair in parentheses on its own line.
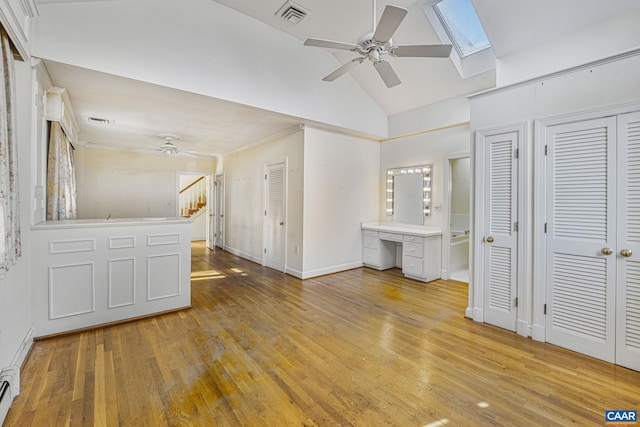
(244,198)
(131,185)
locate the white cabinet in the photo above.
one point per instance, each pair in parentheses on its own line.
(421,249)
(94,272)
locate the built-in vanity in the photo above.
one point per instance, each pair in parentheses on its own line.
(404,241)
(93,272)
(421,248)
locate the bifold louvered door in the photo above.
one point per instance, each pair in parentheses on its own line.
(628,272)
(274,252)
(500,235)
(581,236)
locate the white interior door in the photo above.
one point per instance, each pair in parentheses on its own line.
(581,240)
(500,230)
(628,237)
(275,212)
(219,212)
(210,226)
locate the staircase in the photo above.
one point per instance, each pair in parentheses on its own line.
(193,198)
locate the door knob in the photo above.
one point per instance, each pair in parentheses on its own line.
(489,239)
(626,253)
(281,222)
(606,251)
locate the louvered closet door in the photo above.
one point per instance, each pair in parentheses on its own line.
(580,224)
(274,217)
(500,237)
(628,278)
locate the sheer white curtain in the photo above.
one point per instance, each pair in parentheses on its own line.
(10,246)
(61,178)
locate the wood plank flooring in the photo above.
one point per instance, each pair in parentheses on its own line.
(362,348)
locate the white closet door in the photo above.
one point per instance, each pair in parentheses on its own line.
(580,228)
(500,237)
(275,216)
(628,279)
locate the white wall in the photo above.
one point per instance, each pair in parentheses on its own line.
(460,186)
(15,288)
(425,148)
(130,185)
(340,191)
(244,198)
(203,47)
(588,44)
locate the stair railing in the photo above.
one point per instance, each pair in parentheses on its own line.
(193,198)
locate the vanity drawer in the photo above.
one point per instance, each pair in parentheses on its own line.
(412,265)
(371,242)
(370,233)
(414,239)
(390,236)
(413,249)
(371,256)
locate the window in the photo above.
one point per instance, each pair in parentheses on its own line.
(456,22)
(462,25)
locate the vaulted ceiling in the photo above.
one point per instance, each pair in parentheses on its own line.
(217,126)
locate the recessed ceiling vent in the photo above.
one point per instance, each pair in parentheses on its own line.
(292,12)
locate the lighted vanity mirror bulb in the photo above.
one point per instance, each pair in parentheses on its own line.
(410,170)
(426,211)
(425,189)
(426,178)
(389,172)
(389,200)
(389,190)
(403,171)
(424,169)
(390,181)
(389,210)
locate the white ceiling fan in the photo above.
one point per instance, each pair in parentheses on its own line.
(377,47)
(170,148)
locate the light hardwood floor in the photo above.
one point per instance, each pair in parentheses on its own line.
(362,347)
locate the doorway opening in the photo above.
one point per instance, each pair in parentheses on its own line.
(456,251)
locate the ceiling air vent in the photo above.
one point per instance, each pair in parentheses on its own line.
(292,12)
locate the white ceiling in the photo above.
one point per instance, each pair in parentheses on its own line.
(140,111)
(210,126)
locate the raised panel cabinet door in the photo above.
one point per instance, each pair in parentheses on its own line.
(580,239)
(275,213)
(500,237)
(628,250)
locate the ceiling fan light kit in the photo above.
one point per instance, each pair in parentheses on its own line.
(377,47)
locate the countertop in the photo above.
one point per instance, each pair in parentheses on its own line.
(415,230)
(111,222)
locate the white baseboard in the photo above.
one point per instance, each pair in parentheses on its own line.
(523,328)
(478,314)
(329,270)
(469,313)
(294,273)
(444,274)
(538,333)
(243,254)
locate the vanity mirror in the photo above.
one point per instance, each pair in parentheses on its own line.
(409,194)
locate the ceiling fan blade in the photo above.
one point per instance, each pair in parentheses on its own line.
(389,22)
(389,76)
(340,71)
(330,44)
(423,51)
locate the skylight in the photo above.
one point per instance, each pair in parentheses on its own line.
(462,25)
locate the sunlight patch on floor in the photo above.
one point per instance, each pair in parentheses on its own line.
(206,275)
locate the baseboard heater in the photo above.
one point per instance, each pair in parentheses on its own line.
(5,400)
(9,388)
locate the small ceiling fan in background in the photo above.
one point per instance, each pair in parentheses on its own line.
(377,46)
(170,148)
